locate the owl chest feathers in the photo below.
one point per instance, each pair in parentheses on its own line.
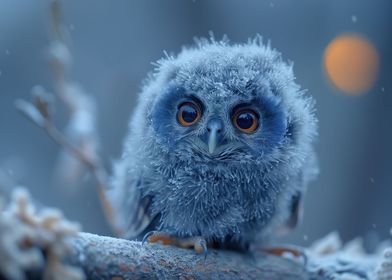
(213,201)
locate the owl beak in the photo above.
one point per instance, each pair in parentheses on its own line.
(214,128)
(212,141)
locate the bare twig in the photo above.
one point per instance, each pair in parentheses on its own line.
(60,56)
(80,139)
(81,128)
(33,113)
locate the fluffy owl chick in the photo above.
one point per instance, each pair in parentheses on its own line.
(219,148)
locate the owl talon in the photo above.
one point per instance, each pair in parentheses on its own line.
(146,236)
(203,246)
(158,236)
(199,244)
(279,251)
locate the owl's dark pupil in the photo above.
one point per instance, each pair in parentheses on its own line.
(245,120)
(189,113)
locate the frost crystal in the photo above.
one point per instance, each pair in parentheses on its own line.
(327,245)
(32,239)
(329,259)
(384,270)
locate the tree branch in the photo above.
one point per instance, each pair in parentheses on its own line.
(40,243)
(111,258)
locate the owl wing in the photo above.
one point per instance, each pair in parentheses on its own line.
(296,202)
(130,209)
(294,216)
(295,211)
(309,172)
(137,217)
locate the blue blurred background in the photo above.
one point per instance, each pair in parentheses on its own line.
(113,44)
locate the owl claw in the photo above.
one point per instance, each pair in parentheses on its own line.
(279,251)
(146,236)
(198,243)
(202,245)
(157,236)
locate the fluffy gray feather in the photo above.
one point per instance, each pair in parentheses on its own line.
(243,186)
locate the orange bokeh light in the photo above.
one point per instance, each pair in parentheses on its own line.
(351,63)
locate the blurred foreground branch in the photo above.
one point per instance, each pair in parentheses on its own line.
(34,242)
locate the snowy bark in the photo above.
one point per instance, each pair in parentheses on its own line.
(42,244)
(111,258)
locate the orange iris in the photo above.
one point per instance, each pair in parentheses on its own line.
(246,120)
(188,113)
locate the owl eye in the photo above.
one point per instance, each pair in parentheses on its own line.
(188,113)
(246,120)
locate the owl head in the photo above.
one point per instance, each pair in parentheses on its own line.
(222,103)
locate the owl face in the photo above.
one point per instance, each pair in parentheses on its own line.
(227,103)
(228,125)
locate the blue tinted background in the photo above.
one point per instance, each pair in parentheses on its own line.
(114,43)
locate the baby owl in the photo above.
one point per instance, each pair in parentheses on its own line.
(219,150)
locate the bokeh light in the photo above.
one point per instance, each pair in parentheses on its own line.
(351,63)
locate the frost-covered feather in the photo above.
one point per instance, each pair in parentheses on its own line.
(243,191)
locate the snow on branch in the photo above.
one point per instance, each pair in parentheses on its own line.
(34,240)
(110,258)
(42,244)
